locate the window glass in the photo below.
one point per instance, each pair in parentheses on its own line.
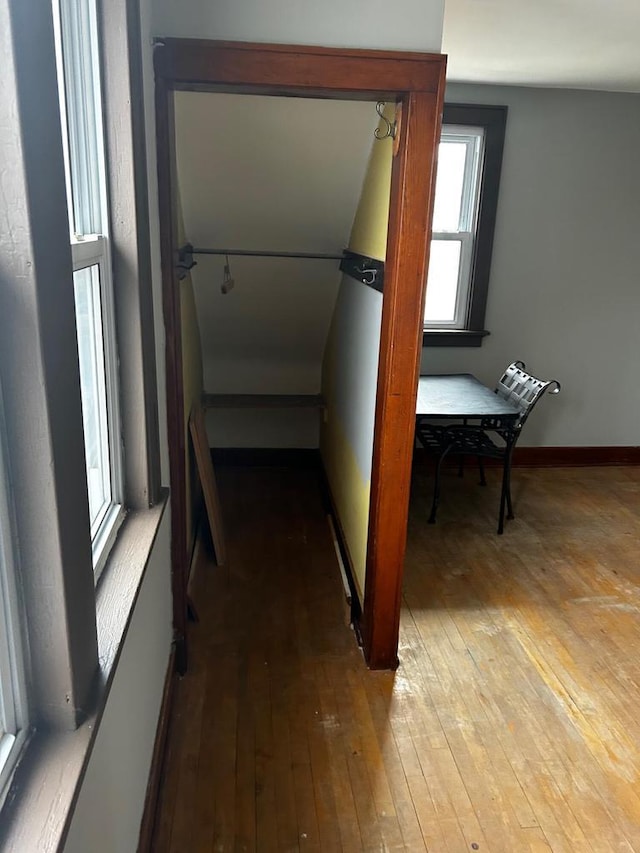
(13,719)
(86,288)
(81,113)
(442,282)
(455,208)
(449,184)
(465,209)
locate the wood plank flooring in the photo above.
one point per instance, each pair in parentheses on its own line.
(512,723)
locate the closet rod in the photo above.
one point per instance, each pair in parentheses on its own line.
(257,254)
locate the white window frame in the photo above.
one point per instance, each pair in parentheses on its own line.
(473,139)
(13,705)
(88,252)
(78,60)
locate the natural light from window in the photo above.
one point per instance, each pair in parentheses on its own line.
(81,114)
(454,223)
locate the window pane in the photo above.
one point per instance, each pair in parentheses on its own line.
(12,706)
(442,282)
(449,185)
(82,113)
(86,286)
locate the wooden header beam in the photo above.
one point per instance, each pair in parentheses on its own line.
(276,69)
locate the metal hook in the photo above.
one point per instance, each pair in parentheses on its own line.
(369,276)
(227,279)
(391,128)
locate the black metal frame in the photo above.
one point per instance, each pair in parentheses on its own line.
(465,439)
(364,269)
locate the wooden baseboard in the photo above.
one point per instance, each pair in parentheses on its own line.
(266,457)
(562,457)
(147,826)
(524,457)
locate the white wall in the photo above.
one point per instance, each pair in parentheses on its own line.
(564,294)
(109,808)
(404,25)
(265,173)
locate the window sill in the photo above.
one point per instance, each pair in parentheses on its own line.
(40,802)
(453,337)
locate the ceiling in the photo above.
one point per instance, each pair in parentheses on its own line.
(579,44)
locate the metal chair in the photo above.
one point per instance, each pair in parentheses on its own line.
(492,438)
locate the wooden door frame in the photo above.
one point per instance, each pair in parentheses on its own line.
(416,81)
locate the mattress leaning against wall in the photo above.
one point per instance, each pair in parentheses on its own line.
(350,368)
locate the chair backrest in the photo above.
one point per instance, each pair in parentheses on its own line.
(523,389)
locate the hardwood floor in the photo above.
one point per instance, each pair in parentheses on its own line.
(512,724)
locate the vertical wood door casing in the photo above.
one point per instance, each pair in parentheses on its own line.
(410,213)
(418,81)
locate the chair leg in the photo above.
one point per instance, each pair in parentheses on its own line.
(505,496)
(461,463)
(483,479)
(510,514)
(436,489)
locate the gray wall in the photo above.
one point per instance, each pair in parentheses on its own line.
(564,293)
(109,808)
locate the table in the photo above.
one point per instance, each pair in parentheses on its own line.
(460,396)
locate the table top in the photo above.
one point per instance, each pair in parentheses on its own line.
(460,395)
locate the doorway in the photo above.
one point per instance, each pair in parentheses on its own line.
(416,83)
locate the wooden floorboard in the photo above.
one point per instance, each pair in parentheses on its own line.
(512,723)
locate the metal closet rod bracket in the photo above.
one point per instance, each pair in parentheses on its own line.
(185,260)
(367,270)
(186,252)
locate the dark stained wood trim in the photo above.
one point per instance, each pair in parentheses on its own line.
(417,80)
(563,457)
(453,338)
(410,214)
(557,457)
(165,136)
(147,825)
(295,70)
(493,119)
